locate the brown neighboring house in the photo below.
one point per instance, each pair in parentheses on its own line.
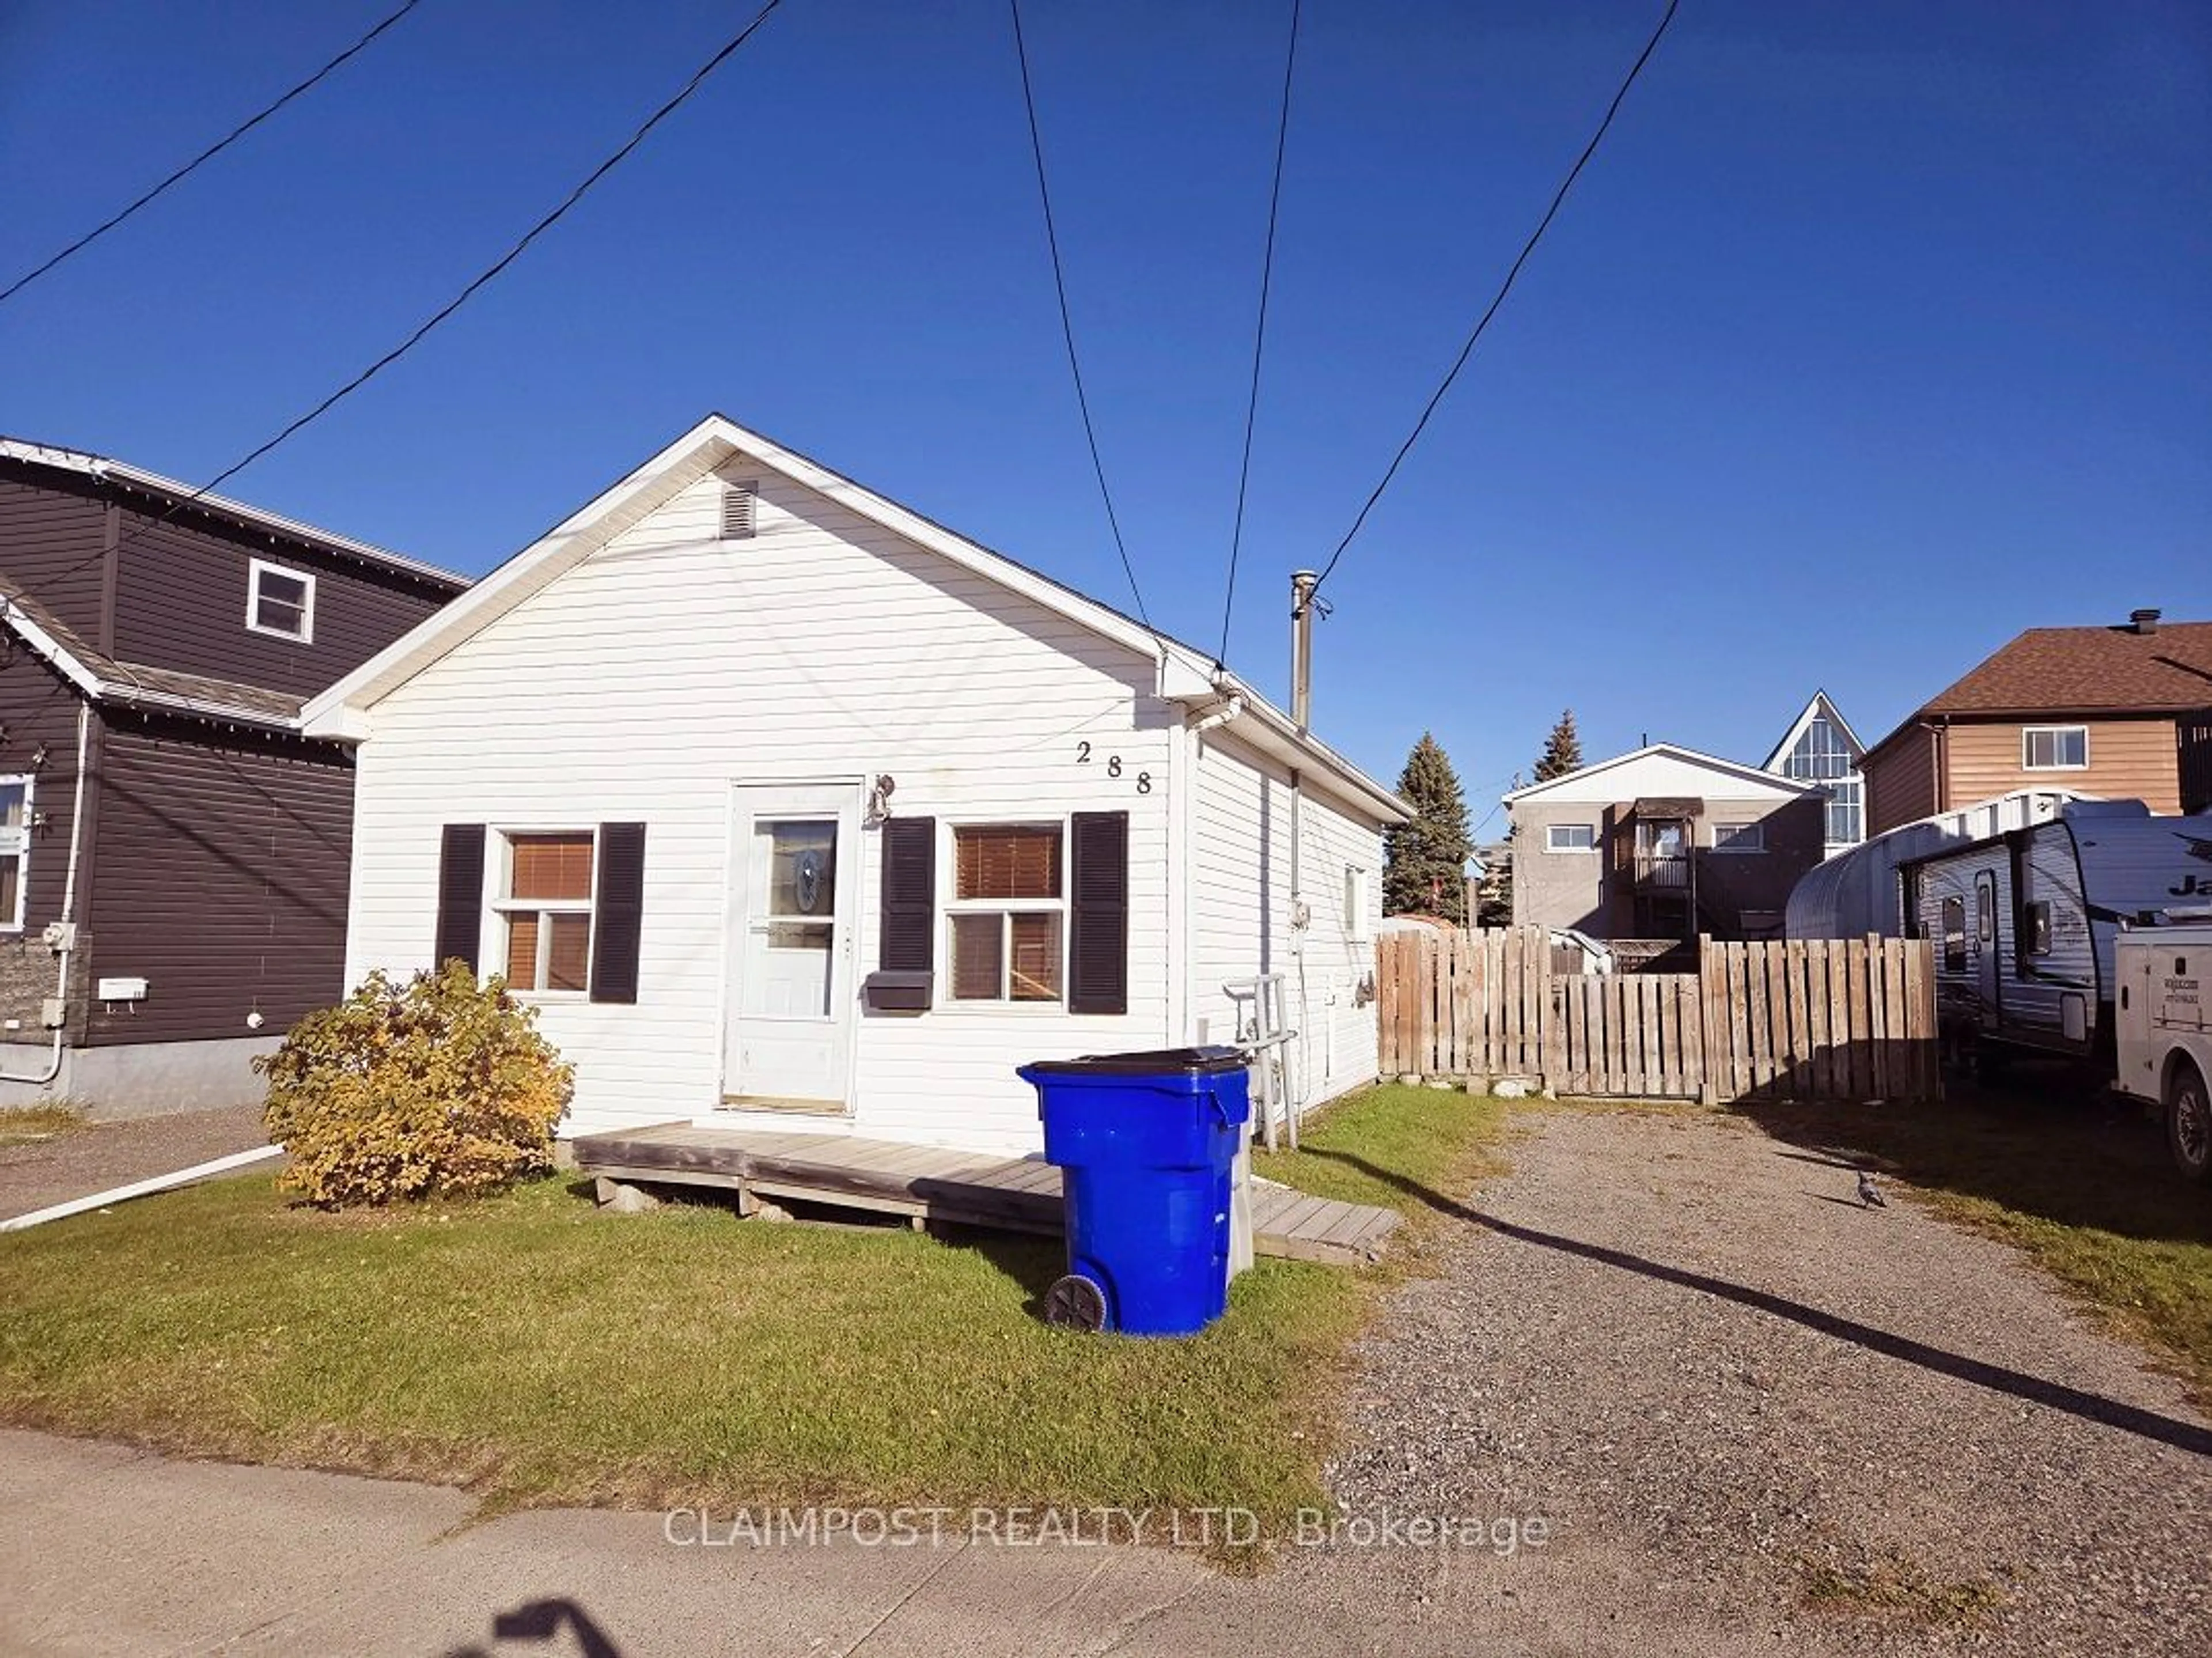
(174,851)
(2122,711)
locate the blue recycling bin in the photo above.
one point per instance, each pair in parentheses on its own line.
(1145,1143)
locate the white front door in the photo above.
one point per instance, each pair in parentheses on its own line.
(794,872)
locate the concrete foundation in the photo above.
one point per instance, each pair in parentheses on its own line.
(140,1080)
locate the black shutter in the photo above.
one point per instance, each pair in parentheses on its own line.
(1098,921)
(460,895)
(909,894)
(617,912)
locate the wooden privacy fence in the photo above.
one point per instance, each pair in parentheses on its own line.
(1844,1018)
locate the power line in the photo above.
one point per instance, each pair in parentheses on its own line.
(507,259)
(1504,287)
(406,345)
(207,154)
(1068,324)
(1259,335)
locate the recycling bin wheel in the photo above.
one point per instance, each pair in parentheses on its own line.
(1075,1302)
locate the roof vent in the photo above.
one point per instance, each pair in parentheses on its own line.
(738,503)
(2143,622)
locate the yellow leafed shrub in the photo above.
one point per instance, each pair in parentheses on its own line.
(438,1088)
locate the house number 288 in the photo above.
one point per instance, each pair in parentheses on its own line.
(1113,766)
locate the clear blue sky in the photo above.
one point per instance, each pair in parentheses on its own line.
(1874,334)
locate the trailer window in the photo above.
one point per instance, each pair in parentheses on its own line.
(1985,922)
(2039,929)
(1954,934)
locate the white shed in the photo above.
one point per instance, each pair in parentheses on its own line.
(790,808)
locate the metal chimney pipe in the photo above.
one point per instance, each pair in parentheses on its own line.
(2144,622)
(1302,582)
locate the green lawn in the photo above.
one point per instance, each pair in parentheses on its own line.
(2080,1184)
(540,1352)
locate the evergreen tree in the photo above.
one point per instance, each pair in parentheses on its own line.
(1563,750)
(1424,862)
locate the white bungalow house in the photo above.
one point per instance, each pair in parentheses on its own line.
(789,808)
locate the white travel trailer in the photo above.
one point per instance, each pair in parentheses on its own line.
(2024,922)
(1857,892)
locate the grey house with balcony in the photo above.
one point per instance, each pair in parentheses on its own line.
(1661,845)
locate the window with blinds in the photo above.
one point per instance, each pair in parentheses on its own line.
(1006,916)
(548,911)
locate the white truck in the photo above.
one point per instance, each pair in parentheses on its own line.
(2163,1038)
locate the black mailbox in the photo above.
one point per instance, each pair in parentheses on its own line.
(898,991)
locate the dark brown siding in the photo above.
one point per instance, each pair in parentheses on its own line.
(180,602)
(223,878)
(38,709)
(1900,781)
(50,545)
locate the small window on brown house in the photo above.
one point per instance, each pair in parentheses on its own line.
(281,602)
(1006,918)
(548,911)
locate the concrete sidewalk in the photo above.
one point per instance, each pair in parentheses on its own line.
(107,1550)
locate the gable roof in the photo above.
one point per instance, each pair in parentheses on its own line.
(1728,768)
(99,469)
(1819,705)
(103,678)
(2115,669)
(1182,673)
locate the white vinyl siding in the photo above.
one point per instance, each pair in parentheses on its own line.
(1241,914)
(645,682)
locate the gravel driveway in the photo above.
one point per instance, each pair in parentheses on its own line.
(102,1155)
(1746,1405)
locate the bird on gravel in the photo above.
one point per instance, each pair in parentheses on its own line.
(1869,1194)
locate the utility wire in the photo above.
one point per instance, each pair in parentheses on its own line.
(1068,324)
(207,154)
(455,304)
(1505,288)
(1259,335)
(697,79)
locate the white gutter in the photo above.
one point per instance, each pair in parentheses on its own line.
(100,467)
(46,646)
(112,691)
(144,1188)
(69,908)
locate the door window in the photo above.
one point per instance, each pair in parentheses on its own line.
(791,932)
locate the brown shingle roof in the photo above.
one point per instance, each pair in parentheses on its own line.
(2089,669)
(135,682)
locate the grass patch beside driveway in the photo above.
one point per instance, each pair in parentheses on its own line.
(29,1125)
(542,1353)
(2080,1184)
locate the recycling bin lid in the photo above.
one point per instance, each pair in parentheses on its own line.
(1157,1062)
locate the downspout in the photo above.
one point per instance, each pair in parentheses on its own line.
(69,908)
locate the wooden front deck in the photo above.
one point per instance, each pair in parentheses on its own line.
(930,1183)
